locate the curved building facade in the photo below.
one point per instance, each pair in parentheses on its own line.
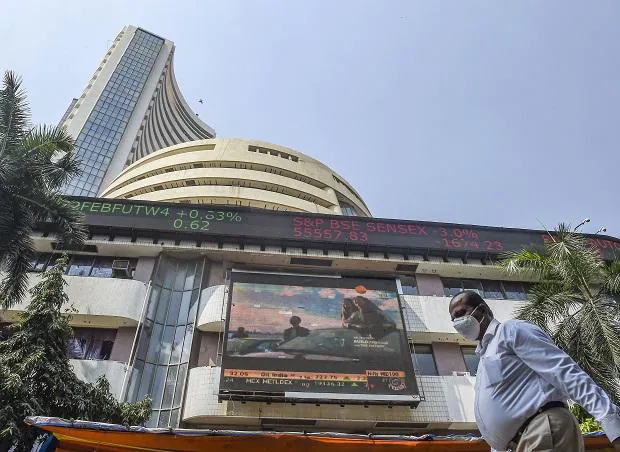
(239,173)
(156,306)
(131,107)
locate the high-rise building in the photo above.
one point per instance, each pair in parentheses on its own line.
(243,285)
(131,107)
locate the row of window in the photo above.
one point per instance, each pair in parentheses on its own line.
(498,290)
(86,343)
(82,265)
(424,359)
(494,290)
(106,124)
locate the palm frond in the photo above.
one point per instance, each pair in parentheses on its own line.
(582,321)
(52,151)
(611,283)
(52,207)
(523,261)
(15,255)
(47,141)
(14,112)
(547,305)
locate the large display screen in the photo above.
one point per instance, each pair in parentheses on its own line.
(352,232)
(307,338)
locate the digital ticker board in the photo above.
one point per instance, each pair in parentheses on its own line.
(308,339)
(302,227)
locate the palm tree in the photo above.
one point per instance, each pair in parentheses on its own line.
(576,302)
(34,163)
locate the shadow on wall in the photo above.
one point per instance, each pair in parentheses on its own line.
(413,320)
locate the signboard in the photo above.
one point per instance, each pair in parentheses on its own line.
(304,228)
(309,338)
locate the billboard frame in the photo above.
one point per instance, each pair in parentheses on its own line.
(411,400)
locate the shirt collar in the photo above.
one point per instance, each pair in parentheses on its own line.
(488,335)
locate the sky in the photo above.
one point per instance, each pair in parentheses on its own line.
(481,112)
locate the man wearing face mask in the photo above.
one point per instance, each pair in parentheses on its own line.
(523,381)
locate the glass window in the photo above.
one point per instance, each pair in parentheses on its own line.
(472,284)
(348,210)
(91,343)
(451,287)
(493,289)
(514,290)
(102,267)
(136,374)
(164,418)
(158,385)
(409,286)
(193,305)
(191,274)
(162,305)
(39,262)
(177,344)
(171,380)
(471,359)
(166,344)
(184,308)
(423,360)
(187,342)
(80,265)
(155,343)
(173,309)
(178,393)
(145,383)
(179,280)
(152,304)
(174,417)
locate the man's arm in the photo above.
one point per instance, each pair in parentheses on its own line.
(538,352)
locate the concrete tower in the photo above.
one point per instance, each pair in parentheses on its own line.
(131,107)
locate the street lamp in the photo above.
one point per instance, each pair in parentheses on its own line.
(601,229)
(586,220)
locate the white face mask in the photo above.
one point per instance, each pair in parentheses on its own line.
(468,326)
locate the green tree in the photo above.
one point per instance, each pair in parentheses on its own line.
(35,162)
(36,378)
(576,302)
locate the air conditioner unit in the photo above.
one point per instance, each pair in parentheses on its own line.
(457,373)
(121,268)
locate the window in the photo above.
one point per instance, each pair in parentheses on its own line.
(472,284)
(40,262)
(498,290)
(91,343)
(514,290)
(451,287)
(80,265)
(423,359)
(493,289)
(409,286)
(102,267)
(471,359)
(348,210)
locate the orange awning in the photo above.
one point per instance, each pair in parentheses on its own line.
(90,436)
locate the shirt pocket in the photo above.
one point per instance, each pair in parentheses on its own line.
(493,369)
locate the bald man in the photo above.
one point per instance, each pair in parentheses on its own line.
(523,382)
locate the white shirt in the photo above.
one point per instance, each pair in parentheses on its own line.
(520,370)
